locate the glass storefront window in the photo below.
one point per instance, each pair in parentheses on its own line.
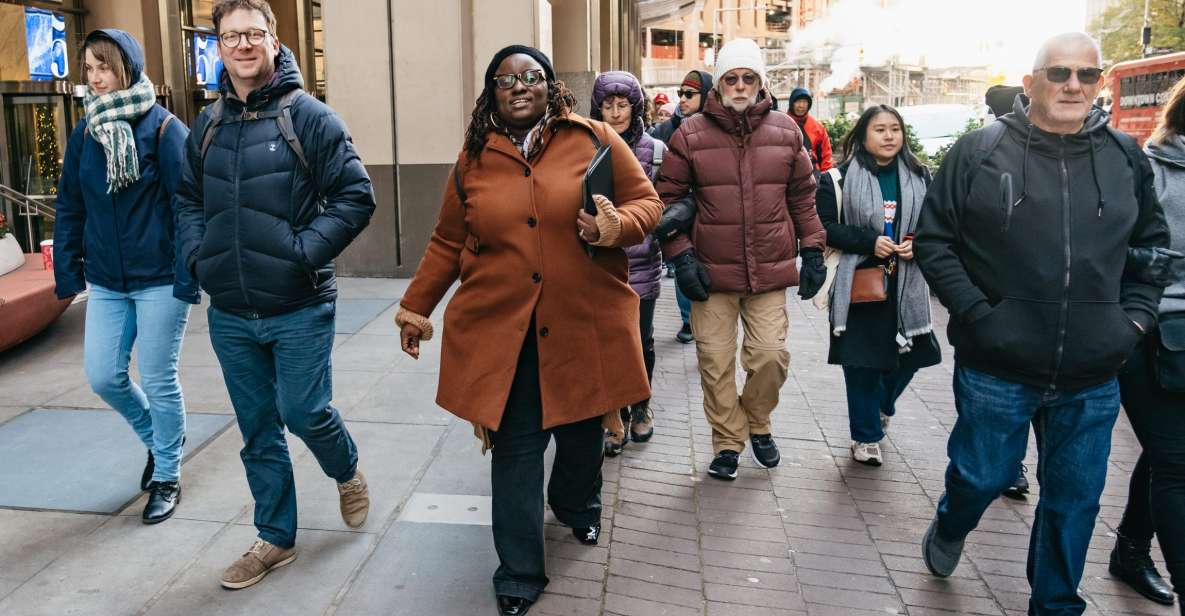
(198,13)
(319,82)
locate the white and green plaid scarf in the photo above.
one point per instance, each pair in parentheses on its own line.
(108,119)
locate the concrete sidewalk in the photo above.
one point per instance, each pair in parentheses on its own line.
(819,535)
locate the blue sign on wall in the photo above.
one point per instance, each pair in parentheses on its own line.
(45,33)
(207,65)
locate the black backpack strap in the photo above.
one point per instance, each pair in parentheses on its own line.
(284,120)
(1135,156)
(989,139)
(214,118)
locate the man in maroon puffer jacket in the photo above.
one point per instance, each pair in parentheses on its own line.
(755,190)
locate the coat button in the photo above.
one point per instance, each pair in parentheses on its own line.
(536,277)
(526,173)
(543,332)
(531,222)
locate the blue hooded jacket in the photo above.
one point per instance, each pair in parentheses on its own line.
(121,241)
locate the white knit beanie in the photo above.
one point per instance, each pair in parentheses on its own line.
(739,53)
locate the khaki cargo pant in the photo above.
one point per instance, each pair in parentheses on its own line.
(763,356)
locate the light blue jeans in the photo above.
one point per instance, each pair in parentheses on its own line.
(154,321)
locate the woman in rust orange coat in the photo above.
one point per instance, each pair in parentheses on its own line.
(540,339)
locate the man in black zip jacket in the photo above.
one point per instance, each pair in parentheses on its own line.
(272,192)
(1023,236)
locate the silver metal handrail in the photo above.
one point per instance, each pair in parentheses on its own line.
(28,207)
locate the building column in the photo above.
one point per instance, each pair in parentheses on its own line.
(359,77)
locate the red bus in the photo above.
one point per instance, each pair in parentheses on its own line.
(1138,90)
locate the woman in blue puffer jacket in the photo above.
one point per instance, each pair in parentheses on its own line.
(618,100)
(114,229)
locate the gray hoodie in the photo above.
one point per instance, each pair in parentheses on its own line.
(1168,163)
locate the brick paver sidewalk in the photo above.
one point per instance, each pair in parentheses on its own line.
(818,535)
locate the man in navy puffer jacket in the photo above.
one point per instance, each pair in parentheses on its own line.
(259,229)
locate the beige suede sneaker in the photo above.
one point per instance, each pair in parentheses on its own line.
(355,500)
(256,563)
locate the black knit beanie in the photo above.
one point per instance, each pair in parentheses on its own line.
(511,50)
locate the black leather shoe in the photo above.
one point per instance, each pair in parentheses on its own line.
(1020,487)
(685,336)
(513,606)
(1131,562)
(146,476)
(587,535)
(162,501)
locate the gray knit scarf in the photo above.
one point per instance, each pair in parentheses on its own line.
(108,120)
(864,206)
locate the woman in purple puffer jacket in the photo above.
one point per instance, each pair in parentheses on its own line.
(618,101)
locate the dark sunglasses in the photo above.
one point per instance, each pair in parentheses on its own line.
(687,93)
(748,78)
(529,78)
(1061,74)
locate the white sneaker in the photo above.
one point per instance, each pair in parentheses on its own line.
(867,453)
(885,420)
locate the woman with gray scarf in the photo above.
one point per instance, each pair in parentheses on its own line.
(880,344)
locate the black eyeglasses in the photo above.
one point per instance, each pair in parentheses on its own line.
(232,39)
(748,78)
(689,94)
(1061,74)
(529,78)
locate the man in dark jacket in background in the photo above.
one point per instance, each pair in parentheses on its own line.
(755,190)
(691,101)
(1023,236)
(817,142)
(272,192)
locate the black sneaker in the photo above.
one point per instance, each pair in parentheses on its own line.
(588,535)
(685,336)
(1020,487)
(725,465)
(765,450)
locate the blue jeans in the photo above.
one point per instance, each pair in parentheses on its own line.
(682,300)
(154,322)
(1073,442)
(277,371)
(870,393)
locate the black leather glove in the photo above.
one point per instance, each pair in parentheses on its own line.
(1151,265)
(691,276)
(676,218)
(813,273)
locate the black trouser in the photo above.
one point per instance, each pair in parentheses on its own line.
(646,324)
(646,310)
(574,490)
(1156,497)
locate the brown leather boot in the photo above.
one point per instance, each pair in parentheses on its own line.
(614,443)
(641,422)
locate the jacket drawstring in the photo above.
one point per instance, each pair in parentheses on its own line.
(1024,169)
(1094,172)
